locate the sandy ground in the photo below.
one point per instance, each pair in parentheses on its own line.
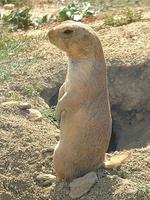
(26,147)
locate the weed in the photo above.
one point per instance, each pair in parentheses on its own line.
(20,19)
(76,11)
(30,90)
(15,53)
(13,96)
(132,16)
(43,20)
(10,44)
(4,75)
(128,17)
(50,114)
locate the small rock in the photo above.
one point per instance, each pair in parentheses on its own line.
(21,105)
(45,179)
(57,136)
(2,89)
(34,115)
(10,103)
(24,106)
(2,99)
(48,150)
(82,185)
(9,6)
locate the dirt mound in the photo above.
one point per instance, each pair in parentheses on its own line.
(26,151)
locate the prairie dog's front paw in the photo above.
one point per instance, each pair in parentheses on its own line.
(59,114)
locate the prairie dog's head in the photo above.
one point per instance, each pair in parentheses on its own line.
(76,39)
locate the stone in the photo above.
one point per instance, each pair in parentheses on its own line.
(45,179)
(9,6)
(57,136)
(24,106)
(81,185)
(10,103)
(21,105)
(34,115)
(2,99)
(48,150)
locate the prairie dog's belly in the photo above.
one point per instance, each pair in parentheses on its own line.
(85,128)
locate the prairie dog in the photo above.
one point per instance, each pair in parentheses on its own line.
(83,107)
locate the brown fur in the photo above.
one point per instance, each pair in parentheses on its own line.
(83,104)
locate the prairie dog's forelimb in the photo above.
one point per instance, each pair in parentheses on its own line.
(61,91)
(60,95)
(69,102)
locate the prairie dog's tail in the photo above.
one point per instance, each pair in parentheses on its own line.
(116,160)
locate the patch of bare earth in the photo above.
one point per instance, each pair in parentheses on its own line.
(26,146)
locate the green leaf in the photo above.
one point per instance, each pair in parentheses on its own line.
(76,11)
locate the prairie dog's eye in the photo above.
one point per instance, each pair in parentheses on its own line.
(68,31)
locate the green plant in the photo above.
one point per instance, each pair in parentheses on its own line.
(132,16)
(10,45)
(5,75)
(13,95)
(128,17)
(114,21)
(20,19)
(76,11)
(30,90)
(18,52)
(46,19)
(50,114)
(43,20)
